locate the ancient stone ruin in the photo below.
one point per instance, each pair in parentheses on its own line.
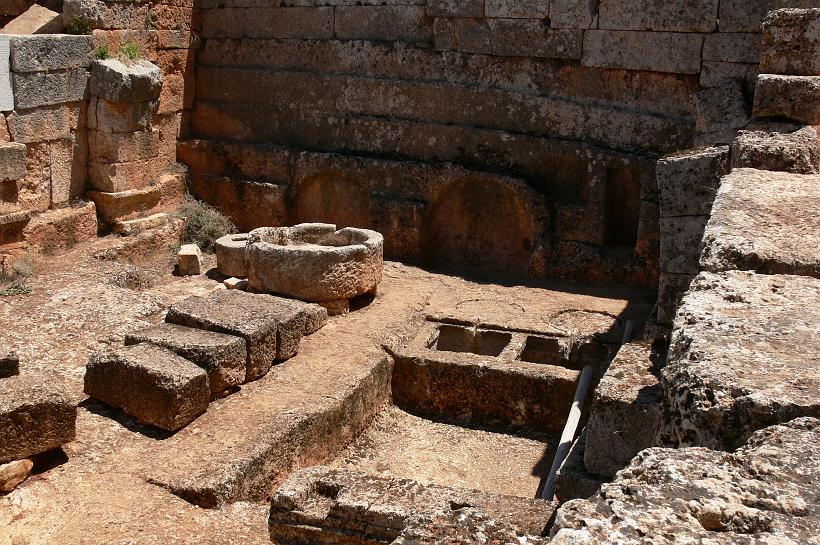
(360,272)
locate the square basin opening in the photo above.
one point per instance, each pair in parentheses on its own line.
(460,339)
(546,350)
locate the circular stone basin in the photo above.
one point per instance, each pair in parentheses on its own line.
(315,262)
(231,258)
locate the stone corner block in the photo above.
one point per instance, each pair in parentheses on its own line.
(116,81)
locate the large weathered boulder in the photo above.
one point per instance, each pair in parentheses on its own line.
(788,152)
(116,81)
(150,383)
(765,493)
(625,415)
(744,354)
(791,42)
(222,356)
(764,221)
(793,97)
(35,416)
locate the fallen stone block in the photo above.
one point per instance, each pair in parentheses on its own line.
(271,326)
(9,365)
(792,97)
(788,152)
(791,42)
(688,181)
(743,356)
(116,81)
(572,480)
(625,415)
(222,356)
(14,473)
(35,416)
(763,493)
(234,283)
(150,383)
(35,20)
(760,221)
(189,260)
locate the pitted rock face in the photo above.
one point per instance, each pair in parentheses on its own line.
(766,492)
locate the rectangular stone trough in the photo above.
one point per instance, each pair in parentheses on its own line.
(495,378)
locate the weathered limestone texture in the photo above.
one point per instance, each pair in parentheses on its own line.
(795,152)
(116,81)
(791,42)
(231,257)
(354,507)
(743,355)
(189,260)
(625,415)
(35,20)
(149,383)
(35,416)
(14,473)
(222,356)
(751,230)
(763,493)
(792,97)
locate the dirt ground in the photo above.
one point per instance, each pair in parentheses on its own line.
(99,490)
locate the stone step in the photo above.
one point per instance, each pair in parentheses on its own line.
(222,356)
(138,225)
(62,228)
(123,205)
(791,97)
(35,416)
(12,222)
(271,326)
(795,151)
(150,383)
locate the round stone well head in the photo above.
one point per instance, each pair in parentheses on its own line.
(315,262)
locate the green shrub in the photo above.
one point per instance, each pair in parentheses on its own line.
(79,25)
(102,52)
(203,224)
(13,280)
(130,51)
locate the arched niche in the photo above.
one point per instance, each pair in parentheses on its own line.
(332,197)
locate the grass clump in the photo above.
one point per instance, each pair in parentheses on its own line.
(203,224)
(130,51)
(102,52)
(13,279)
(79,25)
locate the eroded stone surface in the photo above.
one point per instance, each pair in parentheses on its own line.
(116,81)
(14,473)
(793,97)
(189,260)
(743,355)
(788,152)
(764,221)
(766,492)
(231,257)
(36,415)
(791,42)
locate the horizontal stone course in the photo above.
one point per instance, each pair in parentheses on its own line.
(46,88)
(284,22)
(40,53)
(638,50)
(658,15)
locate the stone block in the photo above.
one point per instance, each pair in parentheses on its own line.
(795,152)
(9,365)
(14,473)
(62,228)
(727,498)
(573,14)
(531,38)
(176,39)
(517,9)
(671,288)
(6,91)
(45,88)
(681,243)
(189,260)
(455,8)
(269,22)
(625,415)
(234,283)
(659,15)
(114,177)
(61,161)
(716,72)
(56,52)
(122,204)
(134,82)
(221,356)
(35,20)
(135,226)
(119,117)
(12,161)
(793,97)
(119,147)
(150,383)
(748,15)
(404,23)
(688,181)
(743,356)
(45,123)
(721,108)
(271,326)
(739,47)
(36,415)
(572,480)
(760,221)
(461,34)
(791,42)
(677,53)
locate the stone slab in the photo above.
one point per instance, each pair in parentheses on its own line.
(35,416)
(271,326)
(40,53)
(222,356)
(764,221)
(625,415)
(150,383)
(35,20)
(791,42)
(792,97)
(138,225)
(113,206)
(795,152)
(688,181)
(743,356)
(763,493)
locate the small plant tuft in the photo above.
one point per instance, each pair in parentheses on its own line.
(79,25)
(13,279)
(150,20)
(102,52)
(203,224)
(130,51)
